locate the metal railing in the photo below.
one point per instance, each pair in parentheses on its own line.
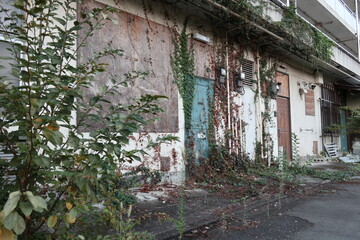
(348,8)
(343,10)
(347,52)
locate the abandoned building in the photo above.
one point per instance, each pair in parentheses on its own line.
(265,74)
(254,77)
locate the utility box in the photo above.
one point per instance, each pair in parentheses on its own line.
(318,77)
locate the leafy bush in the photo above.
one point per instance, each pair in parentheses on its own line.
(55,172)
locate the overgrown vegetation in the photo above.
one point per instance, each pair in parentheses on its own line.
(179,221)
(353,122)
(306,41)
(301,30)
(55,173)
(235,178)
(183,66)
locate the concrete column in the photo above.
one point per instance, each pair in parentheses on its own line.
(357,28)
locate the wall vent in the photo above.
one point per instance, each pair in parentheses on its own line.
(248,69)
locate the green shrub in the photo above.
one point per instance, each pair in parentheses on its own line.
(55,172)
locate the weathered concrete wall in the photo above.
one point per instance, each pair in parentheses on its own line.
(146,33)
(306,127)
(147,47)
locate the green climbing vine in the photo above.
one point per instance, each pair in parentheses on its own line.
(183,66)
(322,45)
(305,40)
(267,73)
(300,29)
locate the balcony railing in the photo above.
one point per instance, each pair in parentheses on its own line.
(338,6)
(346,11)
(343,10)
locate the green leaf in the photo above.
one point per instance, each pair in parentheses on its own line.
(65,221)
(42,161)
(74,141)
(114,21)
(94,100)
(11,203)
(60,20)
(55,137)
(93,134)
(15,222)
(73,213)
(37,202)
(51,222)
(97,146)
(26,208)
(20,225)
(93,158)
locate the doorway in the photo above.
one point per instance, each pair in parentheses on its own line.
(283,115)
(199,131)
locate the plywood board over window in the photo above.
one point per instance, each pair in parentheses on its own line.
(147,48)
(310,103)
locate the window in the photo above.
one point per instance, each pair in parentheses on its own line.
(330,103)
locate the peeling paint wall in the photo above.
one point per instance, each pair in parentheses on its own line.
(147,47)
(146,33)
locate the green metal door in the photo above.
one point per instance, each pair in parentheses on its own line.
(198,134)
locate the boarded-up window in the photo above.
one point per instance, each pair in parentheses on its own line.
(310,103)
(147,48)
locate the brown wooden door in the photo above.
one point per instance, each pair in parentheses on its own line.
(283,115)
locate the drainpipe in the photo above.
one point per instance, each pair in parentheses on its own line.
(278,38)
(357,28)
(258,108)
(228,84)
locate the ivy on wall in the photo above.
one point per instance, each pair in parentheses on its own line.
(305,40)
(267,75)
(183,66)
(301,30)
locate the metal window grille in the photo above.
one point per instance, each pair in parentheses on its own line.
(330,103)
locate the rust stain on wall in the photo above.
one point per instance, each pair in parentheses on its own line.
(147,47)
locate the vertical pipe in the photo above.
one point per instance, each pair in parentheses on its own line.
(258,108)
(228,87)
(357,28)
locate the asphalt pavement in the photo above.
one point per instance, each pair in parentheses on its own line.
(334,214)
